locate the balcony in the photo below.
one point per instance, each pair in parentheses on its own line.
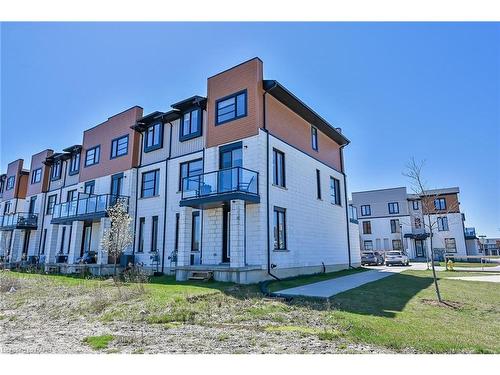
(213,189)
(470,233)
(86,208)
(20,220)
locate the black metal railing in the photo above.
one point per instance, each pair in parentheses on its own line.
(19,220)
(87,205)
(229,180)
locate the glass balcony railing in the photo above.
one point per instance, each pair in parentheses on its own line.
(19,220)
(87,205)
(470,232)
(230,180)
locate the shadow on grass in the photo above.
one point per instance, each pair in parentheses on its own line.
(382,298)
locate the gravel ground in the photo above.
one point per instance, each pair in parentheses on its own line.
(48,324)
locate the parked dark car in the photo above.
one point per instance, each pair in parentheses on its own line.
(371,258)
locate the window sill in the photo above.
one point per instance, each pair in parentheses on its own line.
(280,187)
(153,148)
(281,250)
(184,138)
(153,196)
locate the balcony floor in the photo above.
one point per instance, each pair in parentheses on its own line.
(218,200)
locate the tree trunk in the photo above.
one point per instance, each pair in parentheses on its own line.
(432,263)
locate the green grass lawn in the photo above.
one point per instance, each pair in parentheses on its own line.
(309,279)
(398,312)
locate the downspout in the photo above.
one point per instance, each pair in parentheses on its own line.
(267,185)
(166,194)
(346,206)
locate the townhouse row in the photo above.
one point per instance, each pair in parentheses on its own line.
(393,219)
(247,183)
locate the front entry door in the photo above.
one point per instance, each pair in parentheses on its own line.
(419,248)
(26,245)
(226,224)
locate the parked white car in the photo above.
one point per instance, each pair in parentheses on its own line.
(396,257)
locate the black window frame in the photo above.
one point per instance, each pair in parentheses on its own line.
(366,211)
(367,227)
(335,189)
(147,135)
(314,138)
(140,235)
(74,163)
(418,223)
(115,147)
(8,185)
(279,180)
(51,204)
(318,184)
(195,217)
(90,184)
(446,240)
(156,183)
(366,242)
(277,212)
(98,147)
(441,221)
(394,225)
(192,134)
(391,206)
(73,193)
(236,116)
(441,205)
(397,240)
(56,171)
(188,163)
(417,205)
(154,234)
(34,174)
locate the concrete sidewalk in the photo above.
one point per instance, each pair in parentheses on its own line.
(332,287)
(489,278)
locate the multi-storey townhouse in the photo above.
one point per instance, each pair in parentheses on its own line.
(247,182)
(392,219)
(14,222)
(85,181)
(491,246)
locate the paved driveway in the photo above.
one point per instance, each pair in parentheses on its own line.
(331,287)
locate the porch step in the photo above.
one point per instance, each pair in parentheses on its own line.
(201,275)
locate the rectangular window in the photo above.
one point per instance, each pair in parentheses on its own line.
(61,248)
(154,234)
(440,203)
(314,138)
(150,181)
(190,169)
(140,244)
(89,187)
(55,172)
(74,164)
(36,176)
(92,156)
(396,245)
(231,108)
(119,147)
(334,191)
(395,226)
(416,205)
(318,184)
(366,210)
(367,227)
(44,241)
(418,223)
(10,183)
(71,195)
(368,245)
(279,228)
(450,245)
(153,137)
(176,242)
(278,168)
(51,202)
(196,232)
(190,125)
(394,208)
(442,223)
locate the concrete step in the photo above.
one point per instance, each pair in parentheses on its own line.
(201,275)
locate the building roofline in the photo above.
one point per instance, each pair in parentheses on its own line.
(235,66)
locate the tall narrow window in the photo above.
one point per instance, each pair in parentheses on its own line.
(44,241)
(318,184)
(231,108)
(89,187)
(442,222)
(279,228)
(51,202)
(74,164)
(153,137)
(278,168)
(190,125)
(393,207)
(149,186)
(190,169)
(36,176)
(196,232)
(10,183)
(314,138)
(119,147)
(154,234)
(334,191)
(418,223)
(140,245)
(367,227)
(176,244)
(416,205)
(55,173)
(71,195)
(61,248)
(395,226)
(92,156)
(366,210)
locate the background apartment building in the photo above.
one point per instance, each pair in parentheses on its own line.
(392,219)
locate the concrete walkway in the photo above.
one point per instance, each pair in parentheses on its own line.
(489,279)
(331,287)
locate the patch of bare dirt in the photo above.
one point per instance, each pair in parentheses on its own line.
(446,304)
